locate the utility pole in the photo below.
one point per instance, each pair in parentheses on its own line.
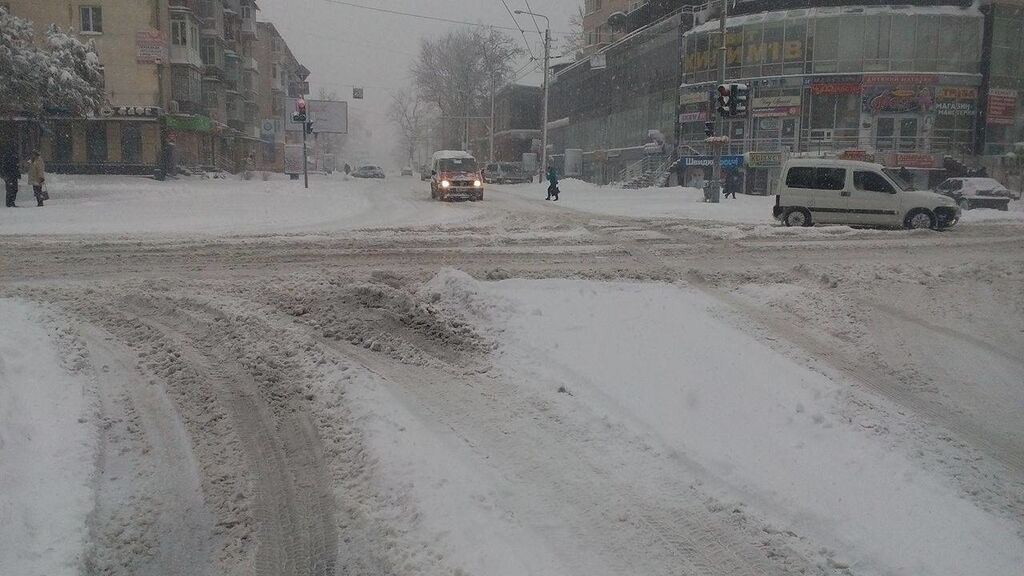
(721,125)
(491,130)
(547,87)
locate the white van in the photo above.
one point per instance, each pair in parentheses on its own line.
(824,191)
(455,175)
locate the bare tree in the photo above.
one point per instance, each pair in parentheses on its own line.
(576,42)
(459,71)
(411,114)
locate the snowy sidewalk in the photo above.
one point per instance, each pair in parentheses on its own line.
(47,450)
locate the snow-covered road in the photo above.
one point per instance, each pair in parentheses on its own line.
(237,378)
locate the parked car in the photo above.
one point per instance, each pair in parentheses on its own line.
(454,175)
(368,172)
(826,191)
(407,171)
(971,193)
(505,173)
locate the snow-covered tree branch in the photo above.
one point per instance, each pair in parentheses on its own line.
(59,73)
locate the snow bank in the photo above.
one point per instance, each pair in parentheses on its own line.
(675,202)
(47,449)
(1014,214)
(661,360)
(134,205)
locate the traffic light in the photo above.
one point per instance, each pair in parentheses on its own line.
(300,114)
(724,100)
(709,129)
(739,100)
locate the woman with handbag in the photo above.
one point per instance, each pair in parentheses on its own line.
(37,177)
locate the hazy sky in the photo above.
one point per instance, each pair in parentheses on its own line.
(346,46)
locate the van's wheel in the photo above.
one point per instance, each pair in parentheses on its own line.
(919,219)
(797,217)
(964,204)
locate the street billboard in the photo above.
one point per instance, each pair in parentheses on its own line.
(327,117)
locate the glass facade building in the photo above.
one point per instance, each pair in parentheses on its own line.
(905,84)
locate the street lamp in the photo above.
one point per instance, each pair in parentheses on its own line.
(547,83)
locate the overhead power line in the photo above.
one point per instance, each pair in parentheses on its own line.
(425,17)
(530,10)
(521,31)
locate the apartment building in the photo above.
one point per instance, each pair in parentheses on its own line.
(283,77)
(126,135)
(596,31)
(182,80)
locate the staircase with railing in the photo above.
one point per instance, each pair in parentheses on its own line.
(649,171)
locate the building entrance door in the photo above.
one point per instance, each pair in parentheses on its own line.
(897,133)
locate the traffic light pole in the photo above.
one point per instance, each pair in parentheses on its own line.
(717,173)
(305,157)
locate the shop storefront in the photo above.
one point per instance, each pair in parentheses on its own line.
(120,140)
(194,140)
(827,80)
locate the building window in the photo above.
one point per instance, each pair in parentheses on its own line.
(96,142)
(246,12)
(61,143)
(179,32)
(131,143)
(92,19)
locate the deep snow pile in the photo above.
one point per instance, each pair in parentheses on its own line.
(667,361)
(47,448)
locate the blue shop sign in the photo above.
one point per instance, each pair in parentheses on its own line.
(728,162)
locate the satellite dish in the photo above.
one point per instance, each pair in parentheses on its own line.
(617,20)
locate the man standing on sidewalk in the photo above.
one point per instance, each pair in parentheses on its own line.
(10,171)
(37,176)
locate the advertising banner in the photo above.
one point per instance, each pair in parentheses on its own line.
(691,117)
(776,106)
(1002,106)
(728,162)
(763,159)
(903,99)
(834,85)
(150,47)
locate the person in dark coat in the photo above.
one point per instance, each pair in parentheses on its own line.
(10,171)
(347,169)
(732,183)
(553,184)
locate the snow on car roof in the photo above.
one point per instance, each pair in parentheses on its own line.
(443,154)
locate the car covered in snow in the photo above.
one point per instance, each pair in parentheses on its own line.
(505,173)
(971,193)
(455,175)
(369,171)
(828,191)
(407,171)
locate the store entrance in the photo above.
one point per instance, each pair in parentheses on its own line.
(897,133)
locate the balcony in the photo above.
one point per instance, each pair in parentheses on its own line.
(232,68)
(249,28)
(184,5)
(186,55)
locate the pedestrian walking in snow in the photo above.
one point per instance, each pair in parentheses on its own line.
(10,171)
(37,177)
(347,169)
(553,190)
(731,184)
